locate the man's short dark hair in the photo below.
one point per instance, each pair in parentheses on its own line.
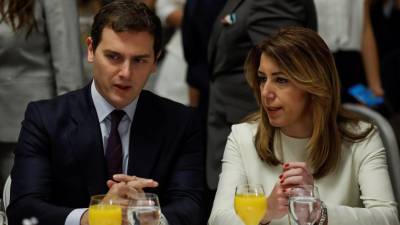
(127,15)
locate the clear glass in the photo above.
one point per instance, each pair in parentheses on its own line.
(304,204)
(250,203)
(144,209)
(3,217)
(105,211)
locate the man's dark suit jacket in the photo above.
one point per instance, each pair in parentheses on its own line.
(60,163)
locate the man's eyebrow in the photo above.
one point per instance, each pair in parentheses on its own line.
(142,56)
(134,56)
(110,51)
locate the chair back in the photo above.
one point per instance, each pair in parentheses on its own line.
(6,192)
(389,141)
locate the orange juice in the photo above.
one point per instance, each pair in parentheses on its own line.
(105,215)
(250,208)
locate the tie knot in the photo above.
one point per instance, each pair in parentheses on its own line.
(116,116)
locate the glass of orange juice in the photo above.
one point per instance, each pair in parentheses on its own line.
(104,211)
(250,203)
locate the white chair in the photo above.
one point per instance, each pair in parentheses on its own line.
(6,192)
(389,141)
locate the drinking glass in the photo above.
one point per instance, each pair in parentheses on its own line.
(143,209)
(304,204)
(250,203)
(104,211)
(3,218)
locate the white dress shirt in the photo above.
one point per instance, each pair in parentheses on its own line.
(103,109)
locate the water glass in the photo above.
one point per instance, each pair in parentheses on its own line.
(304,204)
(144,209)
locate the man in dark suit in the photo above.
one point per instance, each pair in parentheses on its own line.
(241,25)
(64,156)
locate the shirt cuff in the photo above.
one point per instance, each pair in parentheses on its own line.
(74,218)
(163,220)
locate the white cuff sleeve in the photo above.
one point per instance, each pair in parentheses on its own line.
(74,218)
(163,220)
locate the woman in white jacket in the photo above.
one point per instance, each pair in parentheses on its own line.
(302,135)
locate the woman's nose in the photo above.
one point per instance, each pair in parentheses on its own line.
(268,91)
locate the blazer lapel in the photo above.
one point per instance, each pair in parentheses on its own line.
(85,139)
(145,137)
(229,7)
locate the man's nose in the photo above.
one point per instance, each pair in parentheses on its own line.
(126,69)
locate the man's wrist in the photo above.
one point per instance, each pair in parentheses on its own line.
(84,218)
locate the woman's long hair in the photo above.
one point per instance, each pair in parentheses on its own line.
(305,58)
(18,14)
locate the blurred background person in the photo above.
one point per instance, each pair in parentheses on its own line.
(170,81)
(40,57)
(346,28)
(240,26)
(86,11)
(385,18)
(198,19)
(301,135)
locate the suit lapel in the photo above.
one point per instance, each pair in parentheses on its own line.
(86,142)
(229,7)
(145,137)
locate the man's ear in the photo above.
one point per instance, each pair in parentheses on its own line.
(158,55)
(90,50)
(155,62)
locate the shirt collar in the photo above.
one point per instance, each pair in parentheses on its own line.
(103,108)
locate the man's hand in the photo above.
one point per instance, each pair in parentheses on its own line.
(133,184)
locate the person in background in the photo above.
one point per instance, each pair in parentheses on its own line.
(199,16)
(385,19)
(346,28)
(170,82)
(301,135)
(149,3)
(239,26)
(40,57)
(110,137)
(86,10)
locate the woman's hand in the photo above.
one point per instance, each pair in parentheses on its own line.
(296,173)
(277,204)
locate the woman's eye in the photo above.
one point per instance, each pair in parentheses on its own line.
(281,80)
(261,79)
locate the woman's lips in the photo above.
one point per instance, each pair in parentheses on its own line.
(273,108)
(273,111)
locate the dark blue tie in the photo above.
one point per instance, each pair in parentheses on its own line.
(114,145)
